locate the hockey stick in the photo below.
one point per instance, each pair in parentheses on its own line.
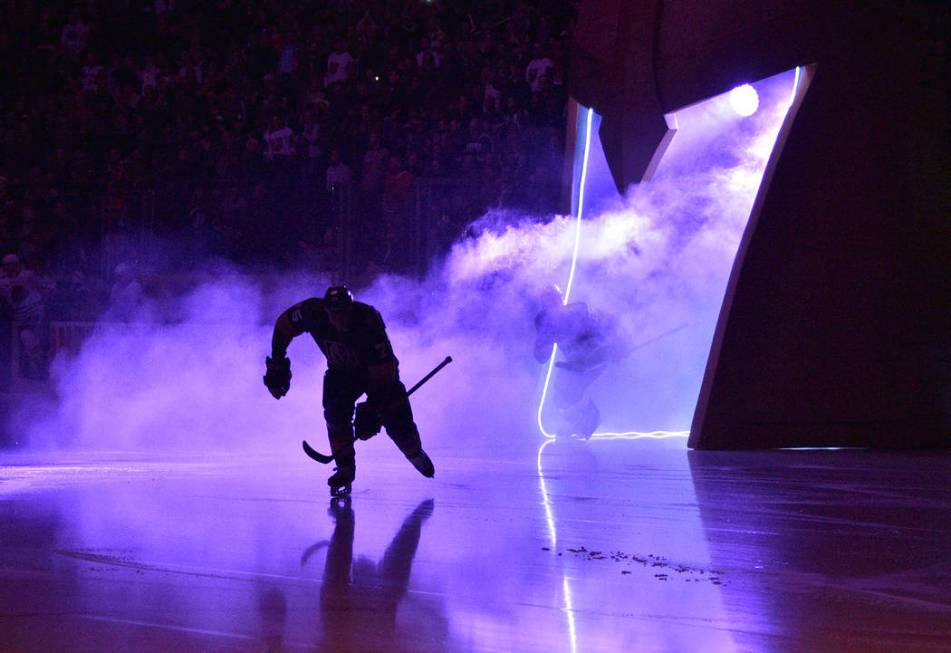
(324,458)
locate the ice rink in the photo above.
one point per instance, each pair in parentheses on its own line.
(607,545)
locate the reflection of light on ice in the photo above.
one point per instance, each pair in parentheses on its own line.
(550,517)
(702,621)
(18,477)
(553,536)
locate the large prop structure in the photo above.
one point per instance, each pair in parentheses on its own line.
(834,329)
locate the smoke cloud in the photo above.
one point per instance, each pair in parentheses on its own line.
(185,374)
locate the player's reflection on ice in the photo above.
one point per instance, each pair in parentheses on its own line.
(362,596)
(272,608)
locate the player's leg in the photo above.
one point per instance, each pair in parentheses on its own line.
(400,426)
(339,396)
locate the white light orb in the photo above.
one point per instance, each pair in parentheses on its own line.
(744,100)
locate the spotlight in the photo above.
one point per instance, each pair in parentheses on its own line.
(744,100)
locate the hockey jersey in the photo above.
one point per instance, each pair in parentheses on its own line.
(364,343)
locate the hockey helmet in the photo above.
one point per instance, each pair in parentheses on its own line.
(338,299)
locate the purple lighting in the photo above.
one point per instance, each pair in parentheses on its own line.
(654,264)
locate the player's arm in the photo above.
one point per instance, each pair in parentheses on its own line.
(287,327)
(289,324)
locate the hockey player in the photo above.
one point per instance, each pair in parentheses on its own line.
(584,352)
(360,360)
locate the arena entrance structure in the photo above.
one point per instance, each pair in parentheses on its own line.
(834,329)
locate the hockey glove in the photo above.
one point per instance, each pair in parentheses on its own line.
(367,422)
(278,376)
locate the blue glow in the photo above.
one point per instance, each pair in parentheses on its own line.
(541,402)
(574,263)
(553,537)
(629,435)
(639,435)
(581,186)
(588,162)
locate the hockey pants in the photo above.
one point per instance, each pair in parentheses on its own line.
(341,391)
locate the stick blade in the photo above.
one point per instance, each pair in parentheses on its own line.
(313,454)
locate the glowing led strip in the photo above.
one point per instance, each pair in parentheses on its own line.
(541,402)
(581,185)
(574,263)
(639,435)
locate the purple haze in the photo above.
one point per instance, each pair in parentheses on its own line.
(654,264)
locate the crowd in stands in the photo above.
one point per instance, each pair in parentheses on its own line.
(265,132)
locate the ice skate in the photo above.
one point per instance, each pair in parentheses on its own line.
(423,464)
(340,481)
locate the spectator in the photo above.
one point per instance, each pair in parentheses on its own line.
(92,74)
(428,54)
(188,104)
(310,132)
(279,138)
(23,294)
(339,64)
(398,196)
(338,173)
(149,76)
(374,162)
(537,68)
(287,59)
(75,34)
